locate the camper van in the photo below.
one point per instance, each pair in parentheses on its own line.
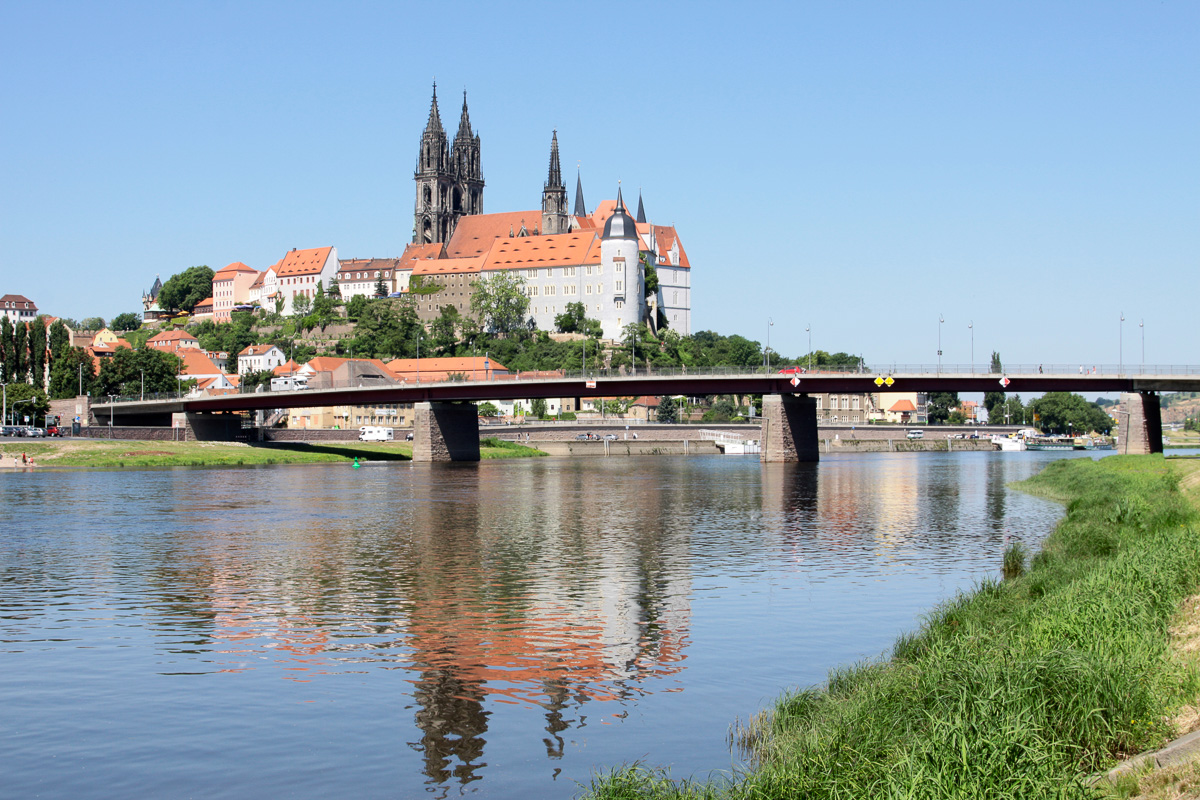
(372,433)
(289,384)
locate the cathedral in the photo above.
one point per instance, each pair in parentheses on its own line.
(600,259)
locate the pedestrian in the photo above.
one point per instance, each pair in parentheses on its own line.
(1039,369)
(1081,369)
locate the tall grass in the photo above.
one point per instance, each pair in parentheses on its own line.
(1020,688)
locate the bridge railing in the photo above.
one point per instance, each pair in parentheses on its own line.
(980,370)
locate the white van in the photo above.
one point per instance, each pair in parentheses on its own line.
(289,384)
(915,434)
(371,433)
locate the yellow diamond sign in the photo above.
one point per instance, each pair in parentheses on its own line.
(879,381)
(888,380)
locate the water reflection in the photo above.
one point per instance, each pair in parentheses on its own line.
(510,612)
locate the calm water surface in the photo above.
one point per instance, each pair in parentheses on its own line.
(498,630)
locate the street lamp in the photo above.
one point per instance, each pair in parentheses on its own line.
(941,319)
(1121,346)
(143,371)
(767,352)
(971,328)
(808,330)
(1142,326)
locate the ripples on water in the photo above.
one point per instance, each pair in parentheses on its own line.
(501,628)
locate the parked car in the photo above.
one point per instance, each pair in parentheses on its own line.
(53,430)
(915,434)
(610,436)
(408,437)
(35,432)
(10,430)
(582,437)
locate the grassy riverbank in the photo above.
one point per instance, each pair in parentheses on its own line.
(109,454)
(1021,688)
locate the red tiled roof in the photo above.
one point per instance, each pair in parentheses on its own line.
(170,336)
(665,236)
(445,366)
(229,270)
(475,233)
(902,406)
(563,249)
(256,350)
(448,266)
(303,262)
(195,362)
(286,368)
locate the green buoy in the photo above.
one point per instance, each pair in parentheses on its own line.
(356,462)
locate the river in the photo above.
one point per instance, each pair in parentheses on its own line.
(499,629)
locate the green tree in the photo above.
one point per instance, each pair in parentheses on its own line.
(938,406)
(356,307)
(72,372)
(20,406)
(60,340)
(20,372)
(301,306)
(37,352)
(335,288)
(651,275)
(488,410)
(993,400)
(500,303)
(96,323)
(1066,412)
(443,330)
(8,350)
(667,410)
(122,374)
(324,308)
(250,380)
(129,321)
(722,410)
(1011,411)
(380,287)
(571,320)
(537,407)
(185,289)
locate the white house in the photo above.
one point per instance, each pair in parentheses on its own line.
(259,357)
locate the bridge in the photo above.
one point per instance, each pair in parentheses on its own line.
(446,423)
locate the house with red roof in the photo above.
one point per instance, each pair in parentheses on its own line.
(300,272)
(259,357)
(18,308)
(173,340)
(231,287)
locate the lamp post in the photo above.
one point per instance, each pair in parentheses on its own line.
(971,328)
(1121,346)
(767,351)
(1142,327)
(941,319)
(4,415)
(808,330)
(143,371)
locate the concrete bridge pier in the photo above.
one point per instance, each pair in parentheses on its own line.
(1141,425)
(445,432)
(789,430)
(204,426)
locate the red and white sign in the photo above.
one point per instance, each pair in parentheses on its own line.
(795,381)
(1005,381)
(590,384)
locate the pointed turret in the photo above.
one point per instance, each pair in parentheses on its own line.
(580,206)
(620,225)
(641,215)
(554,195)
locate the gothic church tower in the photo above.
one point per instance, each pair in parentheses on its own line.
(554,195)
(449,179)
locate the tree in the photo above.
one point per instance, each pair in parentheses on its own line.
(1011,411)
(20,373)
(571,320)
(37,352)
(651,275)
(488,410)
(380,287)
(443,330)
(335,288)
(129,321)
(356,307)
(324,309)
(73,372)
(60,340)
(537,407)
(301,306)
(938,406)
(123,373)
(184,290)
(667,410)
(500,303)
(94,323)
(722,410)
(250,380)
(20,406)
(7,350)
(1066,412)
(994,400)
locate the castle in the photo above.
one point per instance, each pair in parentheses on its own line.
(598,259)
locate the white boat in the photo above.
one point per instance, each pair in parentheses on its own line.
(1006,444)
(742,447)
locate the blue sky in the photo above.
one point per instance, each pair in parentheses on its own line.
(1031,168)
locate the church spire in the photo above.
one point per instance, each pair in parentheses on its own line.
(580,207)
(641,215)
(464,122)
(434,126)
(555,177)
(554,195)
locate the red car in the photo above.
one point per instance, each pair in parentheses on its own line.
(53,430)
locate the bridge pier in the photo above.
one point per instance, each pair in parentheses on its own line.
(789,430)
(1141,427)
(445,432)
(204,426)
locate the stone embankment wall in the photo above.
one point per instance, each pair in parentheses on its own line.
(630,447)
